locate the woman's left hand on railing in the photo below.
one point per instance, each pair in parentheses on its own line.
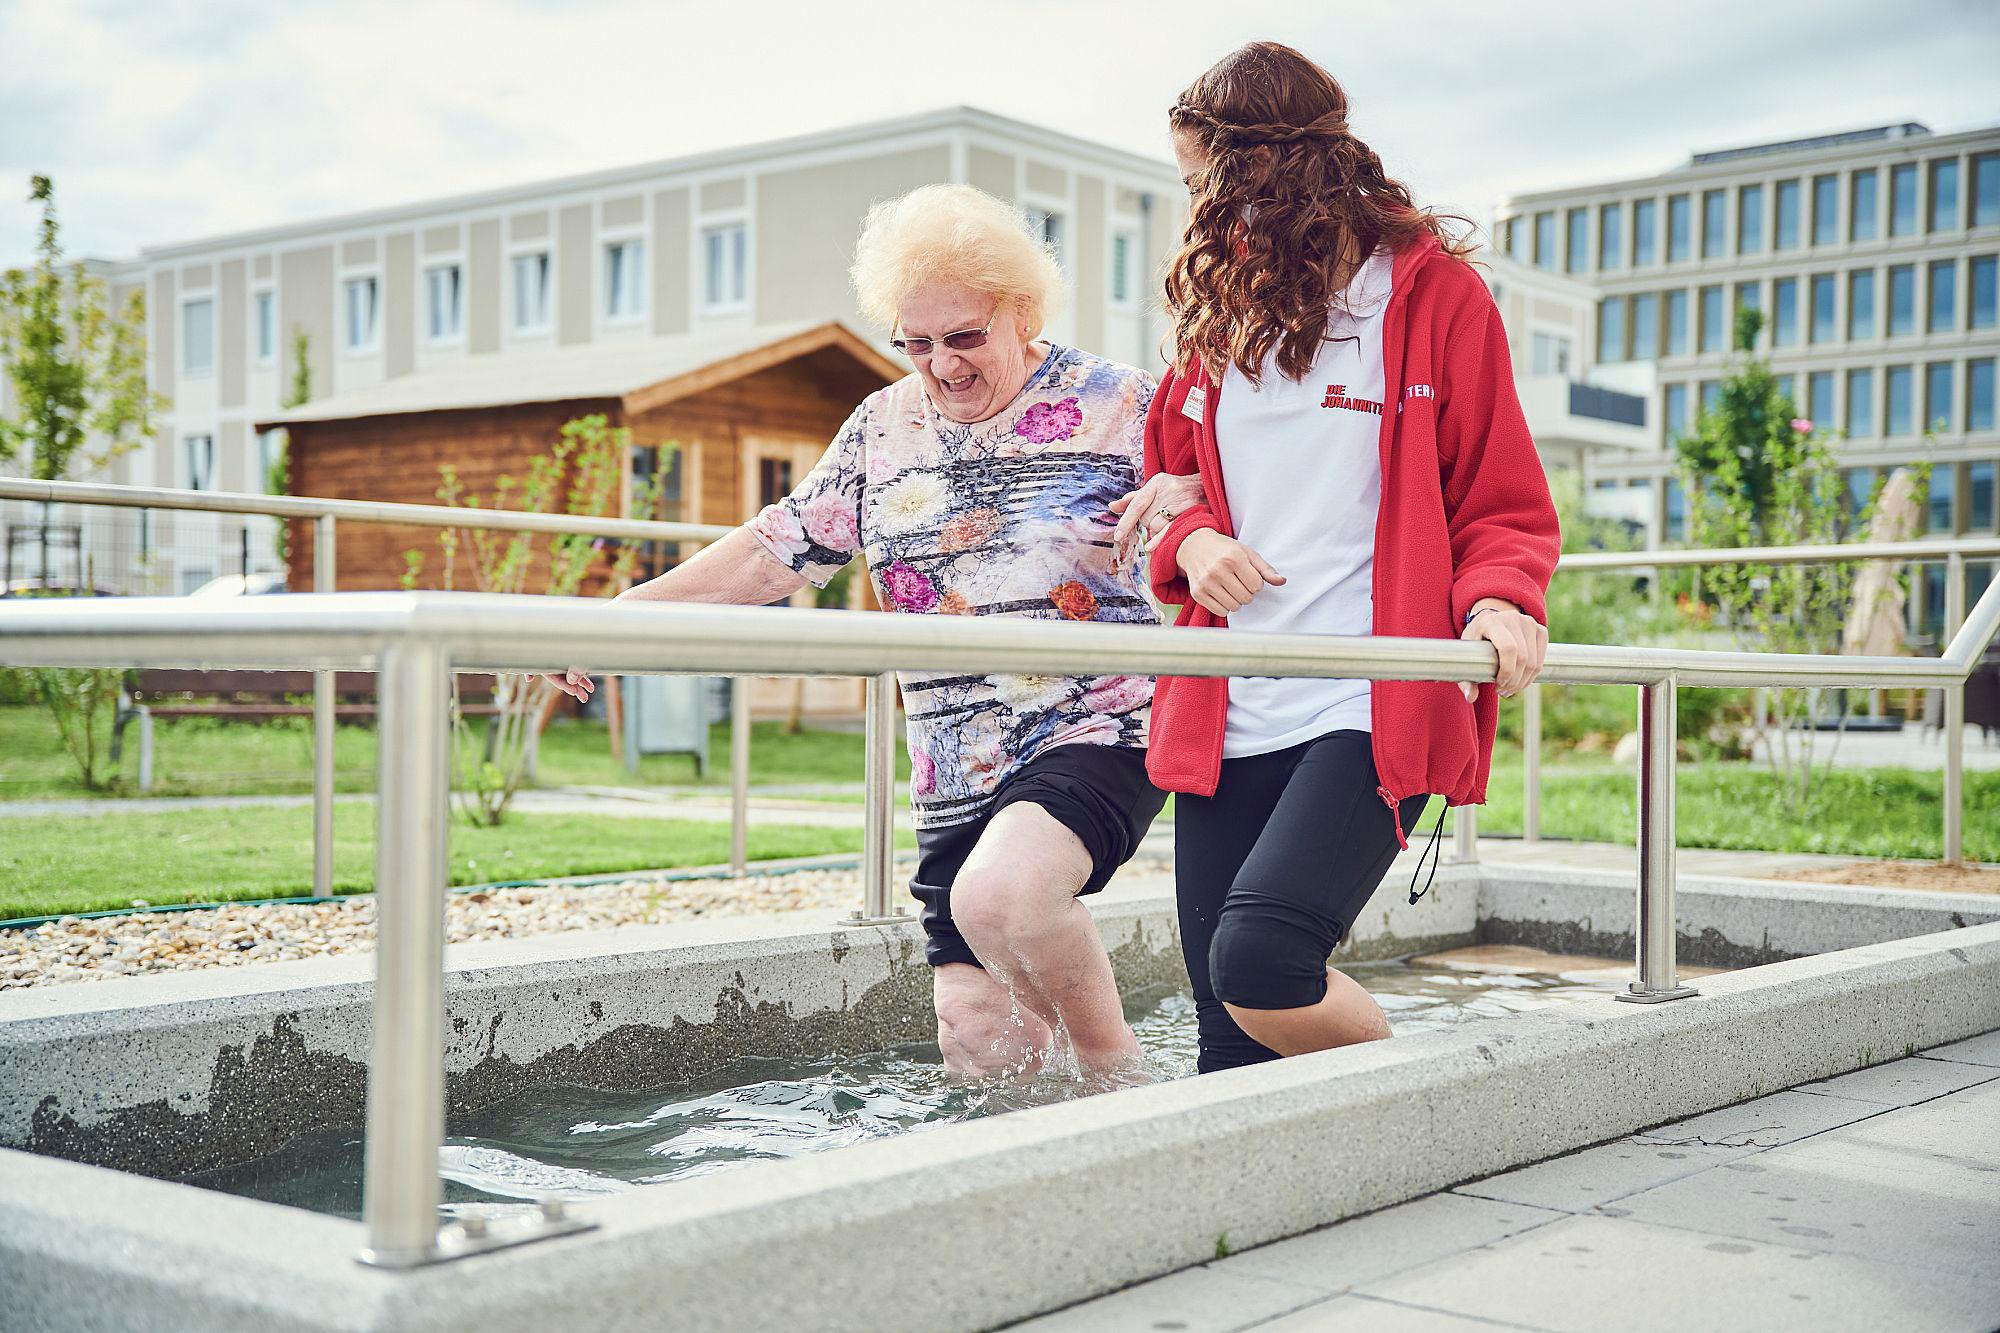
(575,682)
(1145,513)
(1519,639)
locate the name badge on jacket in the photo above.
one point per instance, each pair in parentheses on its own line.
(1194,404)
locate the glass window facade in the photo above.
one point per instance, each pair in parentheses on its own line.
(1981,269)
(198,337)
(1937,512)
(1788,390)
(1711,394)
(1979,515)
(1944,194)
(1944,296)
(1819,398)
(1675,519)
(1680,228)
(1826,210)
(1611,236)
(1902,300)
(1865,208)
(1674,410)
(1645,233)
(1899,393)
(1788,202)
(1545,240)
(1517,239)
(1986,190)
(1714,224)
(1714,336)
(1645,326)
(1611,329)
(1749,219)
(1940,412)
(1860,486)
(1576,254)
(1979,394)
(1825,318)
(1677,322)
(1861,404)
(1785,312)
(1903,199)
(1861,304)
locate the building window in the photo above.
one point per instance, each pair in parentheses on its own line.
(1899,385)
(1860,488)
(1611,329)
(1645,326)
(1861,304)
(1677,322)
(1819,398)
(1714,223)
(1645,238)
(774,480)
(624,279)
(1902,300)
(1979,497)
(1785,312)
(1711,395)
(1047,225)
(1577,253)
(1518,231)
(265,317)
(1865,213)
(1944,296)
(531,291)
(1750,296)
(1680,228)
(1610,236)
(1674,411)
(1787,390)
(198,337)
(1826,210)
(1938,510)
(1714,334)
(1986,190)
(1825,317)
(1549,354)
(725,258)
(363,313)
(198,462)
(1983,270)
(1676,517)
(1789,204)
(444,287)
(1979,394)
(1545,240)
(1861,404)
(270,448)
(1124,259)
(1749,219)
(1938,407)
(1903,199)
(1944,194)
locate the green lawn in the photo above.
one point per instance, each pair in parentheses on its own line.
(210,757)
(52,864)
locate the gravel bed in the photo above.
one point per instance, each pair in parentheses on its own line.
(73,949)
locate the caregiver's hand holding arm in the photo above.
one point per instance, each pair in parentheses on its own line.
(1222,573)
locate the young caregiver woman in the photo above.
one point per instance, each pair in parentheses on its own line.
(1338,449)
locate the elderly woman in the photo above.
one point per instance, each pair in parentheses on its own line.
(980,485)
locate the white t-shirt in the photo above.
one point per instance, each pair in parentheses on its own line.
(1302,468)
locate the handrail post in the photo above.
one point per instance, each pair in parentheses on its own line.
(878,838)
(325,579)
(1465,833)
(1531,764)
(1655,930)
(739,775)
(405,1120)
(1954,718)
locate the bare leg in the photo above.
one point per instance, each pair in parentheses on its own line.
(1015,902)
(982,1030)
(1347,1016)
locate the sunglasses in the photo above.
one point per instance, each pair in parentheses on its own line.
(962,341)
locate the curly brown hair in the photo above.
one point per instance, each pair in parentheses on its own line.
(1287,207)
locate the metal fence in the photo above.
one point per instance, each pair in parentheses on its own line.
(415,641)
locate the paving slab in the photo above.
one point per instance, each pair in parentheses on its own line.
(1903,1082)
(1765,1122)
(1983,1050)
(1391,1241)
(1372,1314)
(1583,1180)
(1957,1130)
(1195,1300)
(1586,1274)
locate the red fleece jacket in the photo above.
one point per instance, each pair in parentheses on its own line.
(1465,514)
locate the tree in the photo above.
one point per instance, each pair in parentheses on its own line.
(1758,474)
(590,454)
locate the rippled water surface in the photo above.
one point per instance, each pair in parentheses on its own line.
(582,1142)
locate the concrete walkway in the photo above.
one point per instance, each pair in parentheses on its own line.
(1912,747)
(1869,1201)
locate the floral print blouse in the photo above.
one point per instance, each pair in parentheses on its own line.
(1004,517)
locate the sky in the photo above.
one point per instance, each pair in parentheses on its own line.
(170,120)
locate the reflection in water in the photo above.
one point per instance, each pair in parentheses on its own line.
(583,1142)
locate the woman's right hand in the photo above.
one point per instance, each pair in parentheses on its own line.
(1222,573)
(575,682)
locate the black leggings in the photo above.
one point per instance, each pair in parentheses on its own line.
(1271,872)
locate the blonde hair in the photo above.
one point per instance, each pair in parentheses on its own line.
(959,235)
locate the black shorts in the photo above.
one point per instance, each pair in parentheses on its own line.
(1098,792)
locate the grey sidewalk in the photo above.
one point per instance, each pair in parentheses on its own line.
(1863,1202)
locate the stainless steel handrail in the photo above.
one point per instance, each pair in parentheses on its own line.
(415,640)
